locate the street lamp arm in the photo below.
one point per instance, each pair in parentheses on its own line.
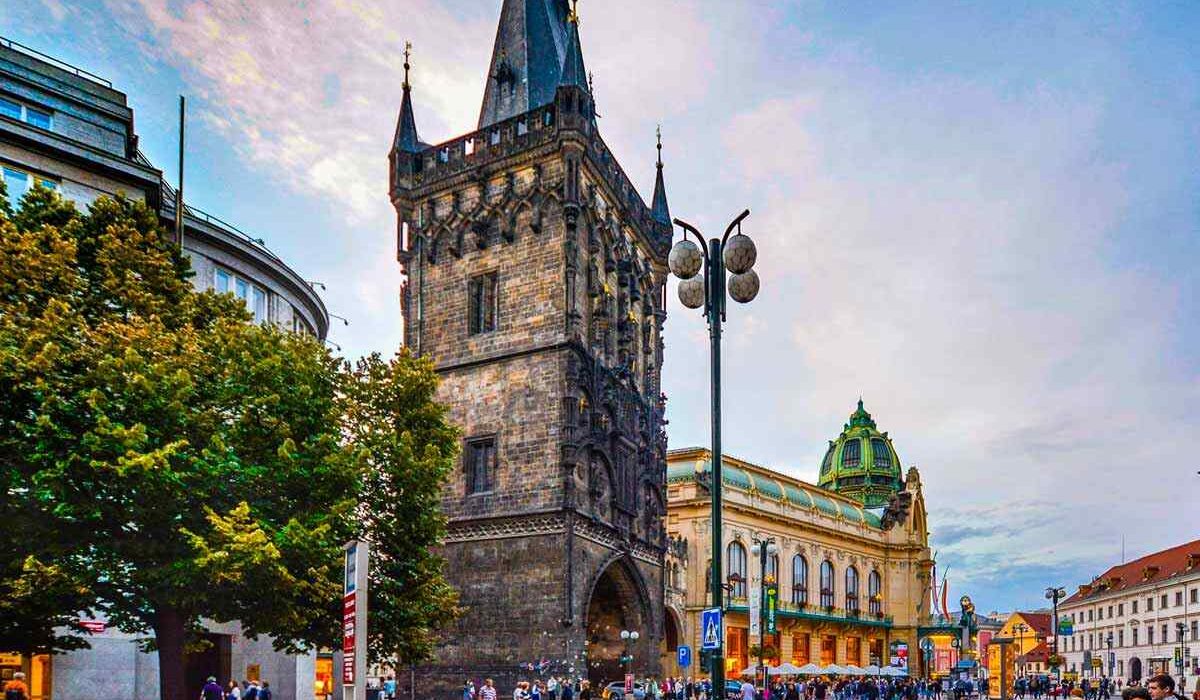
(694,231)
(734,224)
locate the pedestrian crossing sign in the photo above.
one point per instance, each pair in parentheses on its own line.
(710,625)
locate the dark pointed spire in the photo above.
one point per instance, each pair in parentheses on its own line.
(406,127)
(527,60)
(573,72)
(659,209)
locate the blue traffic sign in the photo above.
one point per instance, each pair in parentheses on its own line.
(710,629)
(685,656)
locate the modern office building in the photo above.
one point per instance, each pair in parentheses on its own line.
(70,130)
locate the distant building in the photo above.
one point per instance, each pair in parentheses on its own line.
(71,131)
(853,563)
(1027,655)
(1149,609)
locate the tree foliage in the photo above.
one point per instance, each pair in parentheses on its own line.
(164,460)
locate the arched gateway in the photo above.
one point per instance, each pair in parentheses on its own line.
(618,602)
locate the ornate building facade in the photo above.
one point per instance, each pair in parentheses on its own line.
(853,579)
(534,276)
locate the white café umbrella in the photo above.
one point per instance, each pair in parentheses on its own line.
(894,671)
(810,669)
(834,669)
(854,670)
(873,670)
(784,669)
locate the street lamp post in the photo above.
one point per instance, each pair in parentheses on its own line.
(629,637)
(766,548)
(1055,594)
(1108,641)
(686,260)
(1181,628)
(1020,629)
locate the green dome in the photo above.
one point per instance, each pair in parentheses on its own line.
(862,463)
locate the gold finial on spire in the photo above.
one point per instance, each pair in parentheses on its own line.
(407,56)
(573,15)
(658,134)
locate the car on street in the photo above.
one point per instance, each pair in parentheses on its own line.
(616,691)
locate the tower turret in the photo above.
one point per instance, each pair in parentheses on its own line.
(658,208)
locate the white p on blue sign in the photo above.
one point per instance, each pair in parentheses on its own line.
(685,656)
(710,629)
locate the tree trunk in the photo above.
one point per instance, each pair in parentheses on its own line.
(170,633)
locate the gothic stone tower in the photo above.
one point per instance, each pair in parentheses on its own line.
(535,280)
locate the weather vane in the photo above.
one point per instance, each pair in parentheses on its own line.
(407,56)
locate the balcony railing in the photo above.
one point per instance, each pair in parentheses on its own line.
(825,614)
(63,65)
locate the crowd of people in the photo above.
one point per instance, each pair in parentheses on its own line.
(248,690)
(1160,687)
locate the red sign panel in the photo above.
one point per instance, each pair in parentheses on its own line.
(348,625)
(628,682)
(93,626)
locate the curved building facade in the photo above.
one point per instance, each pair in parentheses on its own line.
(71,131)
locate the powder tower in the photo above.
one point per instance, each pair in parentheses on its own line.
(534,278)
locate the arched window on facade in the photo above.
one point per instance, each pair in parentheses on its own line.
(827,584)
(773,566)
(799,580)
(735,557)
(852,589)
(852,453)
(875,591)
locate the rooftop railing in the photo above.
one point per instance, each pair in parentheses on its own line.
(168,203)
(62,65)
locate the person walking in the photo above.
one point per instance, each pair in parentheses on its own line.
(233,692)
(264,693)
(210,690)
(488,691)
(16,689)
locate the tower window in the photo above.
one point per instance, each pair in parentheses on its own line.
(852,453)
(881,457)
(482,303)
(480,465)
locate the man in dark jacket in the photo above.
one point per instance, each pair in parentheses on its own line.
(211,690)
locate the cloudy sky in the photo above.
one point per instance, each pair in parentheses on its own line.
(982,217)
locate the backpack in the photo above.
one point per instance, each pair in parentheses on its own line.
(14,694)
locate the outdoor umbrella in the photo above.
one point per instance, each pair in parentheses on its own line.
(834,669)
(854,670)
(873,670)
(784,669)
(810,669)
(894,671)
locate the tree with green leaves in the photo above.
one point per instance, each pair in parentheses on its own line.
(166,461)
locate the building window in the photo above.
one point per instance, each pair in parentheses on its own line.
(801,654)
(1090,615)
(828,460)
(1166,638)
(736,556)
(1121,638)
(875,592)
(480,465)
(799,580)
(19,182)
(880,456)
(1193,595)
(852,589)
(1133,607)
(1135,636)
(1120,609)
(827,584)
(1099,613)
(1162,602)
(1149,634)
(482,303)
(773,567)
(25,113)
(1149,604)
(852,453)
(1120,668)
(1178,598)
(1195,629)
(252,295)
